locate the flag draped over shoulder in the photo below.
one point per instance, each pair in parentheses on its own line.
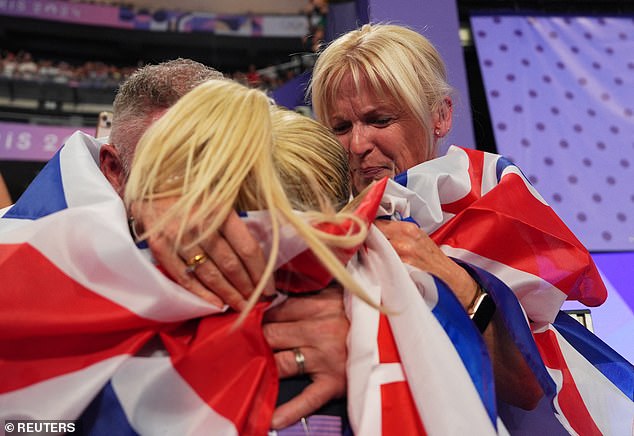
(91,329)
(481,211)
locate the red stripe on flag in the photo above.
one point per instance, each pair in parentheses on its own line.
(399,415)
(233,371)
(51,325)
(388,352)
(305,272)
(570,400)
(509,225)
(476,164)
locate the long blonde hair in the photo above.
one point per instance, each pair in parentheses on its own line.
(310,161)
(212,151)
(397,63)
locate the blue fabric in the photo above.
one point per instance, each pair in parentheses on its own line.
(43,196)
(401,179)
(469,345)
(510,311)
(104,416)
(500,165)
(611,364)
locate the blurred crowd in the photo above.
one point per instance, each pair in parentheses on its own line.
(22,66)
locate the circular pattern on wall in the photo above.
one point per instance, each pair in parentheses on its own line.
(560,99)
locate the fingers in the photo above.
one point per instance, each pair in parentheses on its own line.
(287,335)
(175,268)
(211,278)
(287,365)
(416,248)
(308,401)
(247,250)
(326,302)
(234,262)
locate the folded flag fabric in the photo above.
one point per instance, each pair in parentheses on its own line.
(90,328)
(481,210)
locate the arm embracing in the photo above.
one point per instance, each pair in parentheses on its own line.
(515,382)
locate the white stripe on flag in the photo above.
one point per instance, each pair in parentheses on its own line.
(611,410)
(540,299)
(436,375)
(62,397)
(147,387)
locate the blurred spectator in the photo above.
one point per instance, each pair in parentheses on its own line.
(5,198)
(253,77)
(90,74)
(316,13)
(27,68)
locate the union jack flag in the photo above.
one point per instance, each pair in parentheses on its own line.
(429,371)
(92,330)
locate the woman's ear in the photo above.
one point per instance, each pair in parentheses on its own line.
(443,118)
(112,168)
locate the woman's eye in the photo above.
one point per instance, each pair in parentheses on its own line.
(382,121)
(340,128)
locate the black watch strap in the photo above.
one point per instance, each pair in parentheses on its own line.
(482,310)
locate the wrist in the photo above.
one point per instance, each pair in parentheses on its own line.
(481,309)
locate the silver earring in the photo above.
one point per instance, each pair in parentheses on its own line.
(437,132)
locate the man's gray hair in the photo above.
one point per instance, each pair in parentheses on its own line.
(147,92)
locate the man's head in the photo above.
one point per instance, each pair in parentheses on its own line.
(140,101)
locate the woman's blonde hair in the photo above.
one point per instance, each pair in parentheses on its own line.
(212,151)
(396,62)
(310,161)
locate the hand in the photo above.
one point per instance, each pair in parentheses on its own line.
(416,248)
(515,383)
(317,325)
(233,265)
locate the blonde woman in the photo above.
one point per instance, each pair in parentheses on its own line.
(255,156)
(209,169)
(304,151)
(383,91)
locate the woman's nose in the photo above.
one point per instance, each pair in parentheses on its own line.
(360,142)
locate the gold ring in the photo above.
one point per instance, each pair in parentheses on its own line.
(299,360)
(193,263)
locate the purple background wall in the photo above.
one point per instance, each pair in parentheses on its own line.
(438,21)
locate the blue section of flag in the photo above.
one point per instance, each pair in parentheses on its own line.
(44,196)
(500,165)
(401,179)
(610,363)
(469,345)
(104,416)
(509,310)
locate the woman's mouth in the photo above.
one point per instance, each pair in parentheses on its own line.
(376,172)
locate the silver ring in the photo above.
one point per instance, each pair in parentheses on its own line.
(299,360)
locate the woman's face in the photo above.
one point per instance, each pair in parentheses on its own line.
(381,137)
